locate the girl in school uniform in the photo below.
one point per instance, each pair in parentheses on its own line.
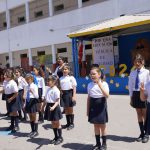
(52,111)
(31,97)
(11,93)
(22,84)
(98,91)
(41,91)
(68,88)
(3,94)
(138,76)
(145,95)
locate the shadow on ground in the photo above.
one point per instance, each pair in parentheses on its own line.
(39,141)
(47,126)
(121,138)
(78,146)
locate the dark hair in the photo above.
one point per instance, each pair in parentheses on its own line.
(62,58)
(55,79)
(40,70)
(99,70)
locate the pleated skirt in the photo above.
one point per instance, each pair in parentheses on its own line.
(14,104)
(54,115)
(67,98)
(31,106)
(136,101)
(98,111)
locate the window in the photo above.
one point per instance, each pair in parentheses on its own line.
(4,24)
(7,58)
(41,53)
(89,46)
(59,7)
(21,19)
(61,50)
(38,14)
(85,1)
(23,55)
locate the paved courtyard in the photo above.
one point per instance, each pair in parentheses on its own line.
(122,129)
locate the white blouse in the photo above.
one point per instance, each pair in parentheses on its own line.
(22,83)
(95,91)
(34,94)
(52,94)
(10,87)
(67,82)
(144,77)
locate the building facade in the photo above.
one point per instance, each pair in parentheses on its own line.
(33,29)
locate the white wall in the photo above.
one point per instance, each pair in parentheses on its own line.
(38,34)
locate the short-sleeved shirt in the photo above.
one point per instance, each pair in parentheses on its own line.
(67,82)
(10,87)
(94,90)
(21,83)
(147,91)
(52,94)
(34,89)
(144,77)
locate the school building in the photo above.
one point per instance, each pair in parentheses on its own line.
(35,31)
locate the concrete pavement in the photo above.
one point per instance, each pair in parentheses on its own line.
(122,129)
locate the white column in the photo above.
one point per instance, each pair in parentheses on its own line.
(79,3)
(27,12)
(50,4)
(8,35)
(10,59)
(53,54)
(27,21)
(30,57)
(7,17)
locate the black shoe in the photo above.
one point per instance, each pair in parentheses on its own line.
(7,114)
(103,147)
(53,141)
(9,128)
(30,134)
(65,126)
(145,139)
(139,139)
(13,131)
(96,147)
(34,134)
(58,141)
(70,127)
(17,128)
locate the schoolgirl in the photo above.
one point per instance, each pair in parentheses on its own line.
(98,91)
(52,111)
(22,84)
(138,76)
(3,94)
(41,91)
(68,88)
(31,97)
(11,93)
